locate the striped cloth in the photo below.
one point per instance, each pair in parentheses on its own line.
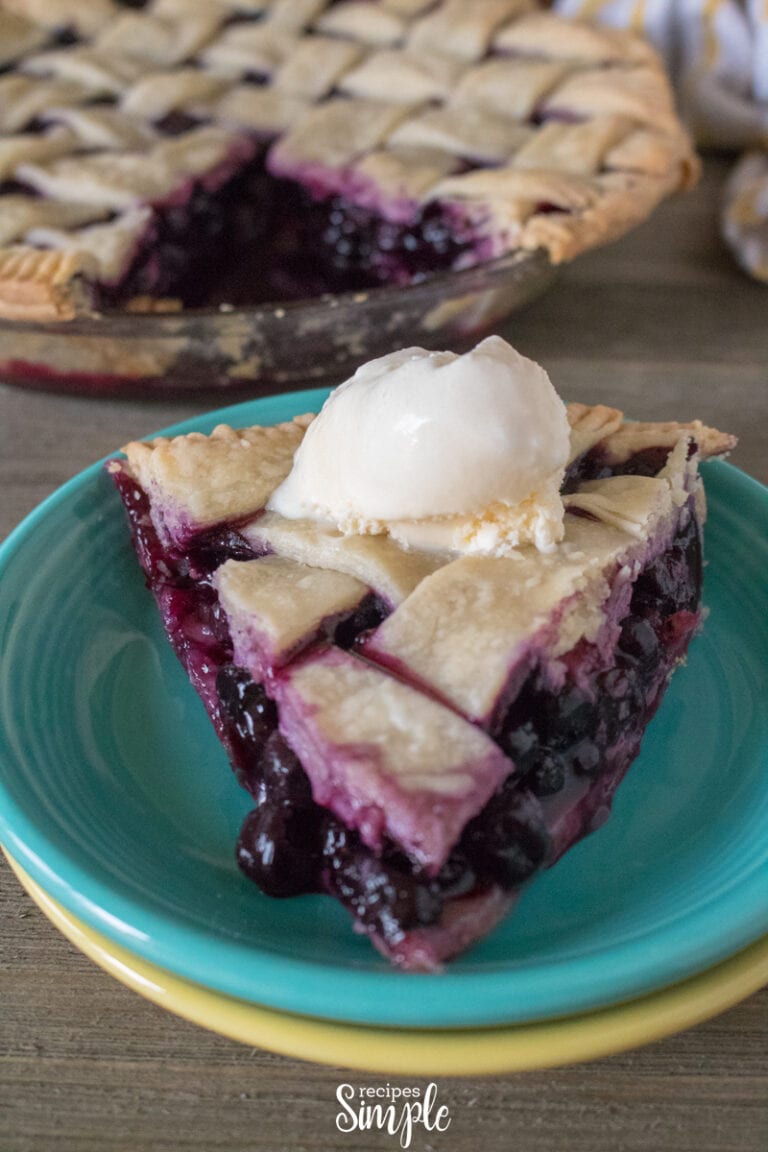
(717,54)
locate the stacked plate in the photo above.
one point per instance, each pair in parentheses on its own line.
(120,815)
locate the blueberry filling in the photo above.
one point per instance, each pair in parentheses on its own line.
(257,238)
(673,582)
(209,551)
(557,737)
(507,842)
(251,719)
(367,616)
(385,894)
(176,122)
(596,465)
(572,744)
(356,239)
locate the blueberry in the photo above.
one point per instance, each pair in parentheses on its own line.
(585,758)
(393,898)
(246,705)
(547,776)
(638,640)
(568,717)
(521,745)
(369,614)
(283,776)
(591,466)
(211,550)
(622,701)
(507,841)
(595,465)
(338,842)
(279,848)
(615,682)
(385,893)
(672,582)
(207,624)
(456,878)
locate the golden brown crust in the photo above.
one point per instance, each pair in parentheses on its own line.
(201,480)
(448,612)
(656,155)
(447,631)
(197,481)
(17,36)
(84,18)
(506,197)
(621,200)
(631,438)
(576,41)
(576,124)
(376,561)
(290,601)
(20,214)
(597,424)
(589,425)
(42,286)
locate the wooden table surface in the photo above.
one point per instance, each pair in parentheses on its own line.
(661,324)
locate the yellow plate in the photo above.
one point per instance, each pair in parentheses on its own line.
(449,1052)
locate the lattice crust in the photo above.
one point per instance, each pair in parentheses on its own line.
(275,607)
(43,285)
(83,19)
(394,103)
(195,482)
(18,37)
(376,560)
(120,183)
(109,244)
(19,214)
(392,736)
(466,631)
(627,439)
(385,757)
(590,425)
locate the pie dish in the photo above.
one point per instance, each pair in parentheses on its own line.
(187,154)
(422,734)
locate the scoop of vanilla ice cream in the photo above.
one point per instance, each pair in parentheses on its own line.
(439,451)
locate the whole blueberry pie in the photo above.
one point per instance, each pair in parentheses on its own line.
(202,152)
(430,626)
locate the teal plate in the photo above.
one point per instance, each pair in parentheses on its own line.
(116,797)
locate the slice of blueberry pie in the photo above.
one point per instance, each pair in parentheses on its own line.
(430,626)
(198,152)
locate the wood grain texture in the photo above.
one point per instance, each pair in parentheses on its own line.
(660,324)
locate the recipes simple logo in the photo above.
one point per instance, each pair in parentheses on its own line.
(391,1109)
